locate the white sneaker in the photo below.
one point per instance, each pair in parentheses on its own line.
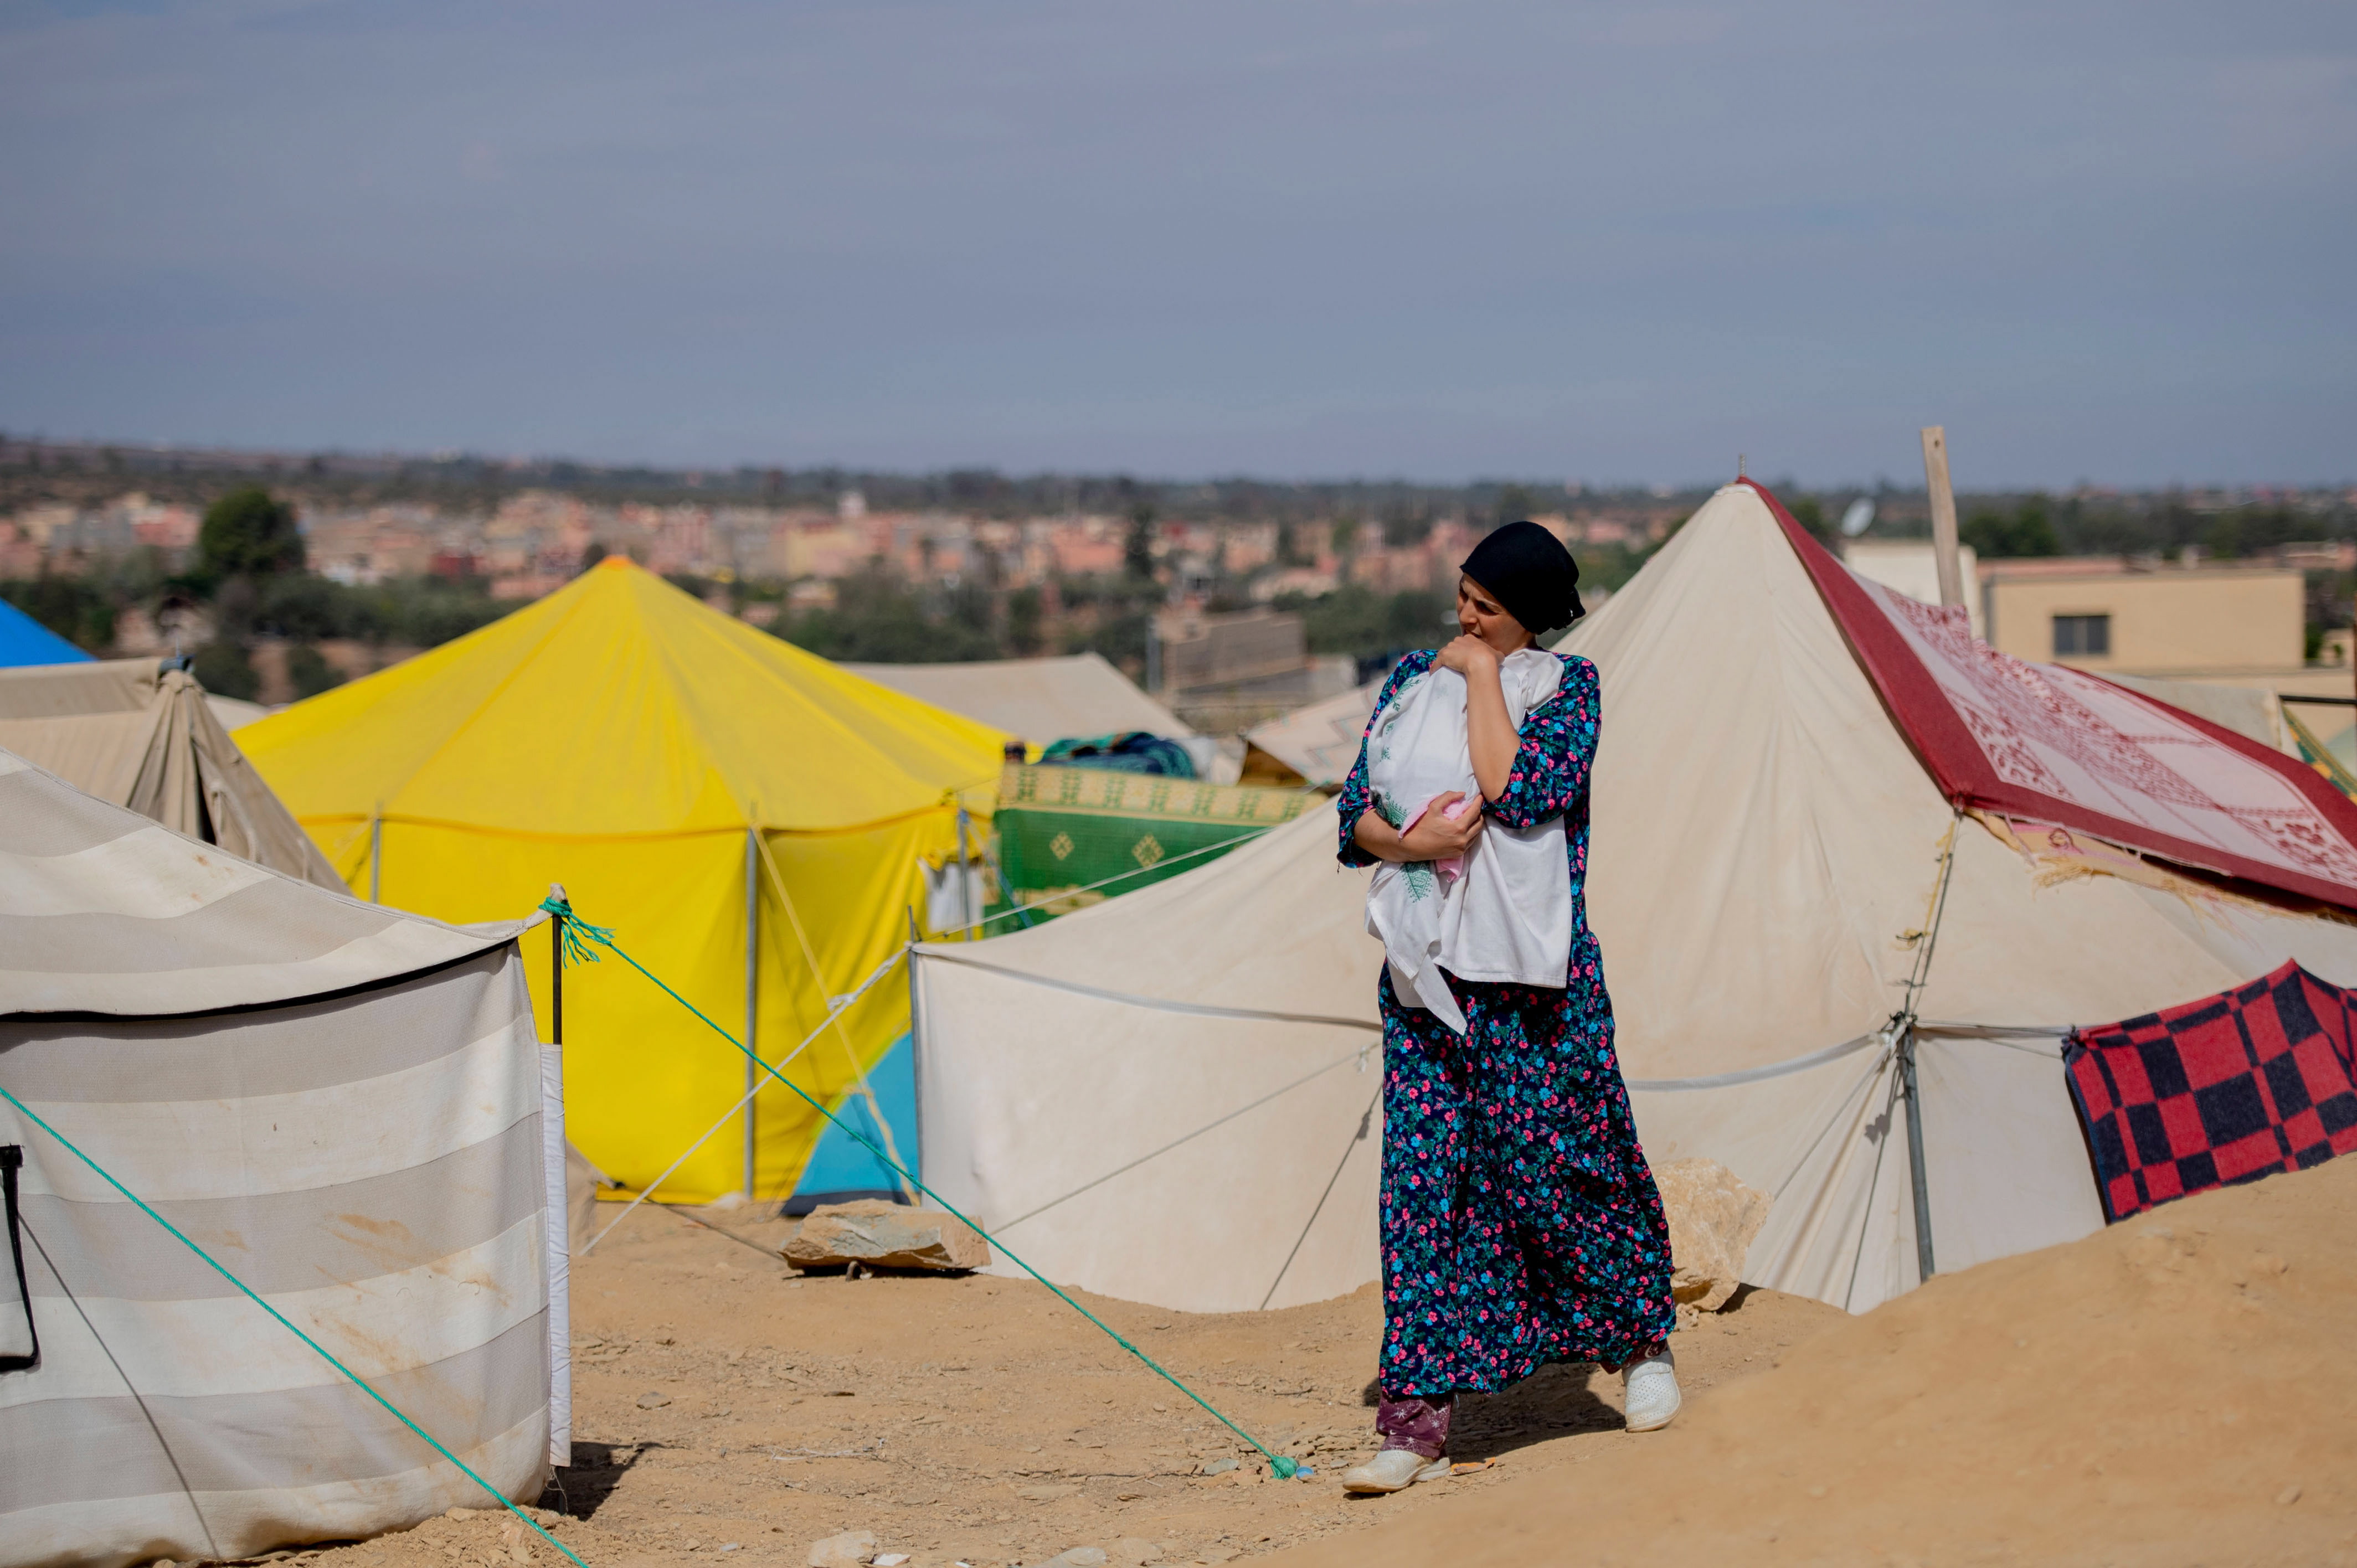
(1649,1392)
(1393,1470)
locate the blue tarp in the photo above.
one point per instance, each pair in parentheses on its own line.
(841,1167)
(24,640)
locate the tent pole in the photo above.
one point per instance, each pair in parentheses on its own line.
(1943,515)
(752,991)
(1904,1022)
(917,1034)
(966,918)
(376,851)
(1915,1170)
(556,970)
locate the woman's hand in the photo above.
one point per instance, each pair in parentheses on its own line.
(1467,654)
(1433,836)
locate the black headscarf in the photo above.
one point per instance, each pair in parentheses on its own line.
(1528,571)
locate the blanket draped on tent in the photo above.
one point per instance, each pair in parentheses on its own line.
(1069,837)
(2228,1088)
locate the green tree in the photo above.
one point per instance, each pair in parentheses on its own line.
(223,669)
(1515,504)
(1137,550)
(1025,613)
(310,674)
(1810,513)
(73,608)
(2028,532)
(249,532)
(877,619)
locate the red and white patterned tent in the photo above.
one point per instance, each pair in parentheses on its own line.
(2047,743)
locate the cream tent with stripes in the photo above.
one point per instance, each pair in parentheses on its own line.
(1155,1097)
(347,1108)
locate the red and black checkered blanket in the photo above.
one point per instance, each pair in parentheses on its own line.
(2229,1089)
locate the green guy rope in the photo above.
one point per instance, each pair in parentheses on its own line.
(1279,1466)
(358,1381)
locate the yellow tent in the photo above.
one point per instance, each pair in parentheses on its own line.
(694,783)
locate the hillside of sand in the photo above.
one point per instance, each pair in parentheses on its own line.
(2177,1389)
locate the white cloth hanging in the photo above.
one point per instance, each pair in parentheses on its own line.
(1502,910)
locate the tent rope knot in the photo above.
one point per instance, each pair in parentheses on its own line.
(1280,1466)
(577,933)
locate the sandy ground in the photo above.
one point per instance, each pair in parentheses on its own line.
(2179,1390)
(721,1403)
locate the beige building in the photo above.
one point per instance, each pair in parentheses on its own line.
(2164,620)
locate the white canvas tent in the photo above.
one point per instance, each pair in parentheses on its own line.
(1320,742)
(343,1104)
(1037,700)
(141,733)
(1172,1096)
(1768,855)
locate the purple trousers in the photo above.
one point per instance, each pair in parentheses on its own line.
(1415,1424)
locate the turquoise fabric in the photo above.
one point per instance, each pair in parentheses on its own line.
(840,1165)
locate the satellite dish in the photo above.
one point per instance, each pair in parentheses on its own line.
(1858,518)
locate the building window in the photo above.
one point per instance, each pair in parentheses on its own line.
(2083,637)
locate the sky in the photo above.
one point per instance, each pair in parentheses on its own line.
(2103,242)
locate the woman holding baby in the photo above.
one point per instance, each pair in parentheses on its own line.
(1520,1222)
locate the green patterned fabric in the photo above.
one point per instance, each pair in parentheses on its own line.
(1063,830)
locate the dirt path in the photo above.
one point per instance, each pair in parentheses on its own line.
(2176,1390)
(720,1403)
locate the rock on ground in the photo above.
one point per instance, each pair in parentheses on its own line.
(852,1549)
(1713,1217)
(886,1236)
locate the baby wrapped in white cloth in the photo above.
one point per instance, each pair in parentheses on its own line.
(1502,910)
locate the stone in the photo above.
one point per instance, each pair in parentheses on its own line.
(1219,1467)
(1044,1494)
(653,1401)
(1132,1551)
(876,1234)
(852,1549)
(1079,1557)
(1713,1217)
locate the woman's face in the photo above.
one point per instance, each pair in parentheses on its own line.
(1478,615)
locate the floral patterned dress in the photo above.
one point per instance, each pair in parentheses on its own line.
(1519,1225)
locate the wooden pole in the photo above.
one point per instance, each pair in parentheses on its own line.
(1943,515)
(376,851)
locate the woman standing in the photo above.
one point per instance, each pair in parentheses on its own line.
(1520,1222)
